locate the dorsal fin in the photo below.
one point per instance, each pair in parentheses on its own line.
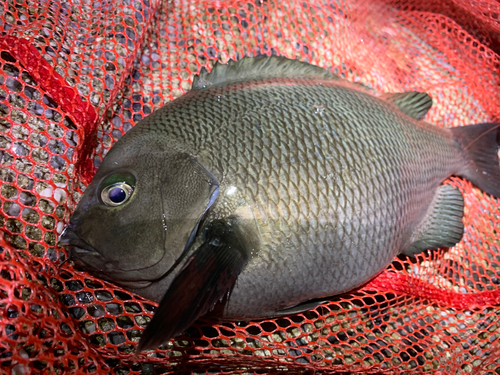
(257,68)
(415,104)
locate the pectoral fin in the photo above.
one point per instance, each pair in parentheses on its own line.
(442,226)
(208,275)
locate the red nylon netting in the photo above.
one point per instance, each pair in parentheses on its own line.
(74,76)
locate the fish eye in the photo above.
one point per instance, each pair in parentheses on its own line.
(116,194)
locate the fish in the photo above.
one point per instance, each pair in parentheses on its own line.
(269,186)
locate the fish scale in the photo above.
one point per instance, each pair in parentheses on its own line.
(278,183)
(280,178)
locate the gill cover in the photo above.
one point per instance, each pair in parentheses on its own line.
(185,202)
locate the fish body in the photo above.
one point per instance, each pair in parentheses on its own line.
(270,184)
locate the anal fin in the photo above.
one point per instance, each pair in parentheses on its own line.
(207,277)
(442,226)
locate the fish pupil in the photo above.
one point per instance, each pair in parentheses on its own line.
(117,195)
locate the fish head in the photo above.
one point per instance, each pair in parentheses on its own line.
(141,212)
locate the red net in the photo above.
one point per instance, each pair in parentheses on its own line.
(76,75)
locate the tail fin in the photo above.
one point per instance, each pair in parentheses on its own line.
(479,145)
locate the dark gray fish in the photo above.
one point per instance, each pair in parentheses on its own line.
(270,184)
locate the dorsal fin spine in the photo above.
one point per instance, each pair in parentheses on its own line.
(258,68)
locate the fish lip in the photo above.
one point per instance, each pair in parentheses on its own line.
(69,238)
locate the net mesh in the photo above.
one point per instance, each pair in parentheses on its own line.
(76,75)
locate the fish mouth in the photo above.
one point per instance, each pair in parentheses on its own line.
(70,239)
